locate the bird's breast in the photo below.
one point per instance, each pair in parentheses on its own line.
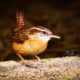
(30,47)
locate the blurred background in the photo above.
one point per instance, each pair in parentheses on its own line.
(62,17)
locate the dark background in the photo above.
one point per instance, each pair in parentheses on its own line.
(61,16)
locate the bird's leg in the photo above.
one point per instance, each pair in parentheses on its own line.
(23,61)
(37,58)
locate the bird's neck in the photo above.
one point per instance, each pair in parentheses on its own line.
(42,38)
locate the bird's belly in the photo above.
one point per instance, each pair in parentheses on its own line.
(30,47)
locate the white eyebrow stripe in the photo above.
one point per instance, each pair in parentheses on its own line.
(38,29)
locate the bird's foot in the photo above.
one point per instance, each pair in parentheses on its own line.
(23,61)
(38,58)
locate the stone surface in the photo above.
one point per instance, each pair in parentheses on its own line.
(66,68)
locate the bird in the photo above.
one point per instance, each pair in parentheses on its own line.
(30,40)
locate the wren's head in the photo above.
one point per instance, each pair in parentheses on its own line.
(41,33)
(33,33)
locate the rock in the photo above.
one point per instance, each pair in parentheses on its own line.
(66,68)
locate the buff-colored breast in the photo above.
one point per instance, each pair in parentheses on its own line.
(30,47)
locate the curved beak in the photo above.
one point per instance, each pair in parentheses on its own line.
(54,36)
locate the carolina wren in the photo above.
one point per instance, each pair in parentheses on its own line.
(32,40)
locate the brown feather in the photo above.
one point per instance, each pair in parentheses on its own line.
(20,20)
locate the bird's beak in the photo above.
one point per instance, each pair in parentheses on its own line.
(54,36)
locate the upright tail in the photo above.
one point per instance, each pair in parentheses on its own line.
(20,20)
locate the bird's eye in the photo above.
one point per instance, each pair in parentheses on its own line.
(44,32)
